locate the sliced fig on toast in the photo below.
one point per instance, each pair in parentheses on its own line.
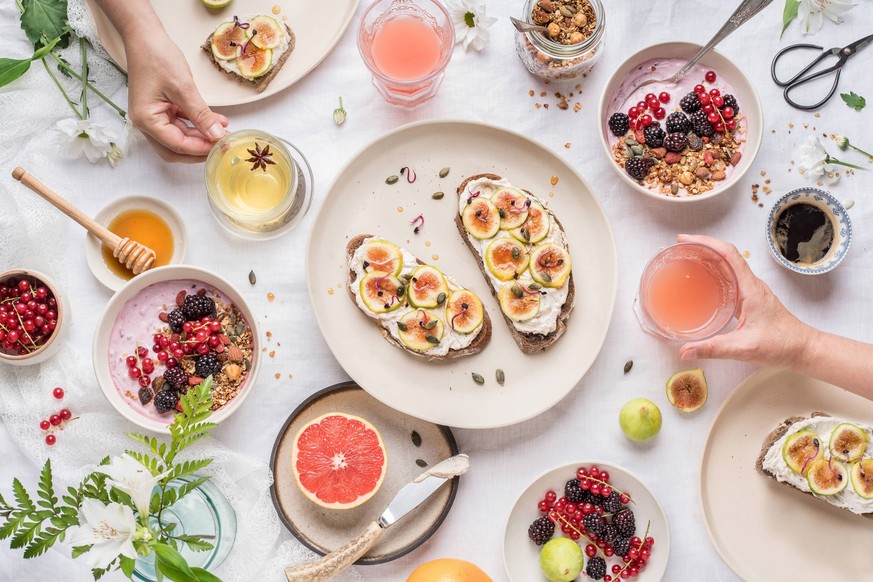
(848,442)
(827,477)
(427,287)
(464,311)
(801,449)
(481,218)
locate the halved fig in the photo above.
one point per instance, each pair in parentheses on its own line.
(550,264)
(227,41)
(255,62)
(536,227)
(381,292)
(266,32)
(420,330)
(480,218)
(427,287)
(848,442)
(464,311)
(512,206)
(801,449)
(381,255)
(519,303)
(506,258)
(826,477)
(687,390)
(861,474)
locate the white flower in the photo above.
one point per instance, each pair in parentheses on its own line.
(129,476)
(82,136)
(471,23)
(812,157)
(108,529)
(811,13)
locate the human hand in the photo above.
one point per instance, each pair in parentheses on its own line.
(767,333)
(162,96)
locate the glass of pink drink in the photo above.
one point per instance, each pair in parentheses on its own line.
(687,292)
(406,44)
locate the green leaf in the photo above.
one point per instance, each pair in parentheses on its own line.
(127,566)
(45,20)
(854,100)
(21,496)
(45,489)
(789,14)
(195,543)
(172,564)
(79,550)
(204,576)
(190,486)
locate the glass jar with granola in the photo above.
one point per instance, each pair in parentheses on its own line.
(573,43)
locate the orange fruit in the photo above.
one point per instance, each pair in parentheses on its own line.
(448,570)
(339,460)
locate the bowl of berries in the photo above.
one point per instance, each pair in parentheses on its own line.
(592,517)
(33,317)
(166,331)
(683,141)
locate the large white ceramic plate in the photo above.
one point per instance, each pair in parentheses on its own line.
(317,26)
(360,202)
(522,558)
(764,530)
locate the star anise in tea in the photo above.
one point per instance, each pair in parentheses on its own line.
(260,157)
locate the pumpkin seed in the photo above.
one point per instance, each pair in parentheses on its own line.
(239,328)
(546,277)
(501,212)
(392,180)
(445,172)
(501,376)
(432,339)
(515,253)
(421,463)
(441,298)
(438,195)
(416,438)
(402,326)
(252,278)
(517,291)
(628,151)
(628,365)
(247,364)
(631,141)
(566,11)
(637,150)
(534,286)
(477,378)
(400,291)
(431,324)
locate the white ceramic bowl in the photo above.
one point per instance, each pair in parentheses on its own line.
(750,107)
(838,216)
(52,346)
(113,309)
(522,558)
(93,246)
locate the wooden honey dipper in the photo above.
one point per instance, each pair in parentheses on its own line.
(133,255)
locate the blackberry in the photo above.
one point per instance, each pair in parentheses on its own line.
(196,306)
(619,123)
(675,142)
(678,121)
(731,101)
(145,395)
(621,546)
(695,142)
(596,568)
(612,504)
(637,168)
(175,320)
(207,365)
(654,136)
(700,124)
(609,534)
(176,378)
(541,530)
(625,523)
(573,492)
(690,103)
(166,400)
(593,523)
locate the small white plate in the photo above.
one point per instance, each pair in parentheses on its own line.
(93,246)
(521,556)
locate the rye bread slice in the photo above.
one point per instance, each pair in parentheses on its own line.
(476,346)
(528,343)
(776,434)
(261,82)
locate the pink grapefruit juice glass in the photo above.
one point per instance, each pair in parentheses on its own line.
(687,292)
(407,45)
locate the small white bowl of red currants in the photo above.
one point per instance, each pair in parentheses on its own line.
(33,317)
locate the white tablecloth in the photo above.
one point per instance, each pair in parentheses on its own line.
(493,87)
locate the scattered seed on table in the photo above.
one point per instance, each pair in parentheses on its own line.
(478,379)
(628,365)
(421,463)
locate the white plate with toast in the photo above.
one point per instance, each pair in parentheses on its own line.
(763,529)
(189,23)
(362,200)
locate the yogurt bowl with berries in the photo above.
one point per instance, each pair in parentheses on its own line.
(681,142)
(165,332)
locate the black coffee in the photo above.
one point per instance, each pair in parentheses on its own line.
(804,233)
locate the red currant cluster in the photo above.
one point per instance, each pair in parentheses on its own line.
(55,421)
(639,119)
(28,315)
(197,338)
(719,115)
(635,561)
(139,366)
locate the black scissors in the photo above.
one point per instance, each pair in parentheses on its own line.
(842,54)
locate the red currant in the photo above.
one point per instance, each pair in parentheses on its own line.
(594,471)
(553,516)
(598,510)
(144,381)
(718,127)
(65,414)
(718,101)
(714,93)
(164,341)
(730,124)
(171,362)
(157,348)
(50,439)
(55,420)
(713,117)
(642,106)
(646,121)
(566,529)
(131,361)
(664,97)
(44,424)
(710,76)
(609,551)
(708,109)
(214,326)
(604,476)
(587,509)
(633,112)
(58,392)
(590,550)
(187,327)
(633,553)
(134,372)
(142,351)
(659,113)
(650,541)
(148,366)
(162,356)
(704,98)
(699,89)
(645,553)
(543,506)
(178,353)
(595,489)
(728,112)
(635,542)
(616,568)
(551,496)
(605,490)
(607,578)
(202,349)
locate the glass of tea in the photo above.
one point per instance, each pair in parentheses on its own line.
(687,292)
(259,186)
(407,45)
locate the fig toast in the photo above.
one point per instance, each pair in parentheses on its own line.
(522,252)
(797,454)
(416,307)
(233,50)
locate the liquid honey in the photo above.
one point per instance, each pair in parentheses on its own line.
(143,226)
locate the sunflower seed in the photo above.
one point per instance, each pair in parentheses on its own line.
(432,339)
(431,324)
(517,291)
(252,278)
(392,180)
(441,298)
(445,172)
(402,326)
(477,378)
(500,375)
(628,365)
(421,463)
(416,438)
(438,195)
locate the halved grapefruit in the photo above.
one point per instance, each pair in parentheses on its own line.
(339,460)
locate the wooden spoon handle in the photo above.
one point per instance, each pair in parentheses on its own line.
(338,560)
(111,239)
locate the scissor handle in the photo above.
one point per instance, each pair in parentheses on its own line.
(787,50)
(830,94)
